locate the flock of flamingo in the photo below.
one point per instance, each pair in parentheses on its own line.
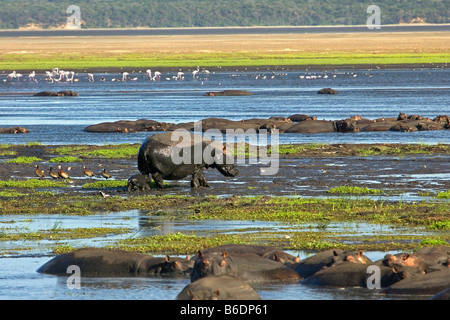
(57,75)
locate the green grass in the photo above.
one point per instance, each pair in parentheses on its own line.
(121,151)
(32,183)
(443,195)
(65,159)
(353,190)
(77,61)
(26,160)
(105,184)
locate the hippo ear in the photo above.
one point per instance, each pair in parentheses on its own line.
(406,256)
(167,258)
(225,254)
(297,258)
(359,254)
(200,254)
(187,257)
(335,253)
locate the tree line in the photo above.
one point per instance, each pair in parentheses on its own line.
(16,14)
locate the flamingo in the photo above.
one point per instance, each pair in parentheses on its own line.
(194,73)
(18,75)
(124,76)
(149,74)
(180,76)
(70,79)
(32,76)
(12,75)
(49,75)
(207,74)
(91,77)
(157,76)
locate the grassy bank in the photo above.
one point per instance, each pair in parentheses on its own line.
(224,59)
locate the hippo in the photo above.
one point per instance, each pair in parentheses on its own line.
(100,262)
(271,253)
(229,93)
(328,258)
(138,182)
(312,126)
(64,93)
(427,284)
(223,287)
(352,275)
(246,266)
(156,157)
(434,258)
(327,91)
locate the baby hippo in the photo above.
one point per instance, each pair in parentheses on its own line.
(139,182)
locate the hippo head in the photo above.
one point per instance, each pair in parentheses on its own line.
(228,170)
(213,264)
(224,163)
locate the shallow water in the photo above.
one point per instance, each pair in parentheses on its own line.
(370,93)
(61,120)
(19,279)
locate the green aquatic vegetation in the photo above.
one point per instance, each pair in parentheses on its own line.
(11,193)
(353,190)
(8,153)
(439,225)
(65,159)
(120,151)
(58,233)
(400,150)
(26,160)
(32,183)
(102,184)
(443,195)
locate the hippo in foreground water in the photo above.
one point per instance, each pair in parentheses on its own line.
(245,266)
(223,287)
(164,158)
(100,262)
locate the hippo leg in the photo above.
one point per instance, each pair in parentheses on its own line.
(158,180)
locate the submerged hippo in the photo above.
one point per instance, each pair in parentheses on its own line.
(329,258)
(173,160)
(99,262)
(246,266)
(223,287)
(352,275)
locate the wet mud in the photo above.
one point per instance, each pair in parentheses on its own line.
(308,173)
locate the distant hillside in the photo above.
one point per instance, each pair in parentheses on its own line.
(207,13)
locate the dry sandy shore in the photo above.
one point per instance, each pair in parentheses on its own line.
(399,42)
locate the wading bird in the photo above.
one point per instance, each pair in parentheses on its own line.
(105,174)
(39,173)
(87,172)
(63,174)
(32,76)
(52,174)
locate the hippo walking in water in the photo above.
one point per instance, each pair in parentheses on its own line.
(164,158)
